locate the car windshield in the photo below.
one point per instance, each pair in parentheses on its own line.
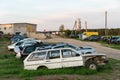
(73,47)
(21,48)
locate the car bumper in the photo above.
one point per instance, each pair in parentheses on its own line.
(106,61)
(18,55)
(10,48)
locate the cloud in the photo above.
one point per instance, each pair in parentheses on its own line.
(50,14)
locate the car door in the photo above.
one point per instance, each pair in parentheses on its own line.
(35,60)
(53,59)
(71,58)
(28,50)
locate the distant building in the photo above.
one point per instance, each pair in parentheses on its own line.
(23,28)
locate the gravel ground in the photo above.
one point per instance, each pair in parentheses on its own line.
(111,53)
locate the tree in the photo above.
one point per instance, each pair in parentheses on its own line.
(61,28)
(67,33)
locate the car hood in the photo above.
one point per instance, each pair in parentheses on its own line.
(85,47)
(95,54)
(12,45)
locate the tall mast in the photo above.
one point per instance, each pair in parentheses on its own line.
(86,26)
(105,23)
(79,25)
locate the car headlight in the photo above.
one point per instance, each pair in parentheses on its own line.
(104,57)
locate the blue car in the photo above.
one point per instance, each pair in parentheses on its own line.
(83,49)
(17,38)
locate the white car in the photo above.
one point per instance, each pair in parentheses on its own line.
(12,46)
(62,57)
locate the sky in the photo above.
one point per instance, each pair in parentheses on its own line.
(50,14)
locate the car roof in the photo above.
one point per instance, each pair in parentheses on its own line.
(51,50)
(52,46)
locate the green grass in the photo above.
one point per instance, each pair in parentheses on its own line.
(3,39)
(115,46)
(10,67)
(32,73)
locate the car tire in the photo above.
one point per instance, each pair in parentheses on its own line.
(42,67)
(88,52)
(92,65)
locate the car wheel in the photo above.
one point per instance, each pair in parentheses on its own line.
(88,53)
(42,67)
(92,65)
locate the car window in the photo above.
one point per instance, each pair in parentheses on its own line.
(37,56)
(69,53)
(29,49)
(19,43)
(53,54)
(58,47)
(73,47)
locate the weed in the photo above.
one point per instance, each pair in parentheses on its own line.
(3,39)
(115,46)
(10,66)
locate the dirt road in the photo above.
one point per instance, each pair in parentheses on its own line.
(111,53)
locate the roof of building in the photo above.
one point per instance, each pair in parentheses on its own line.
(18,23)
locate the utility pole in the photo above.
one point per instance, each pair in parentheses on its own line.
(105,23)
(86,26)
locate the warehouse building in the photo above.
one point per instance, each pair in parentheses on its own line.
(23,28)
